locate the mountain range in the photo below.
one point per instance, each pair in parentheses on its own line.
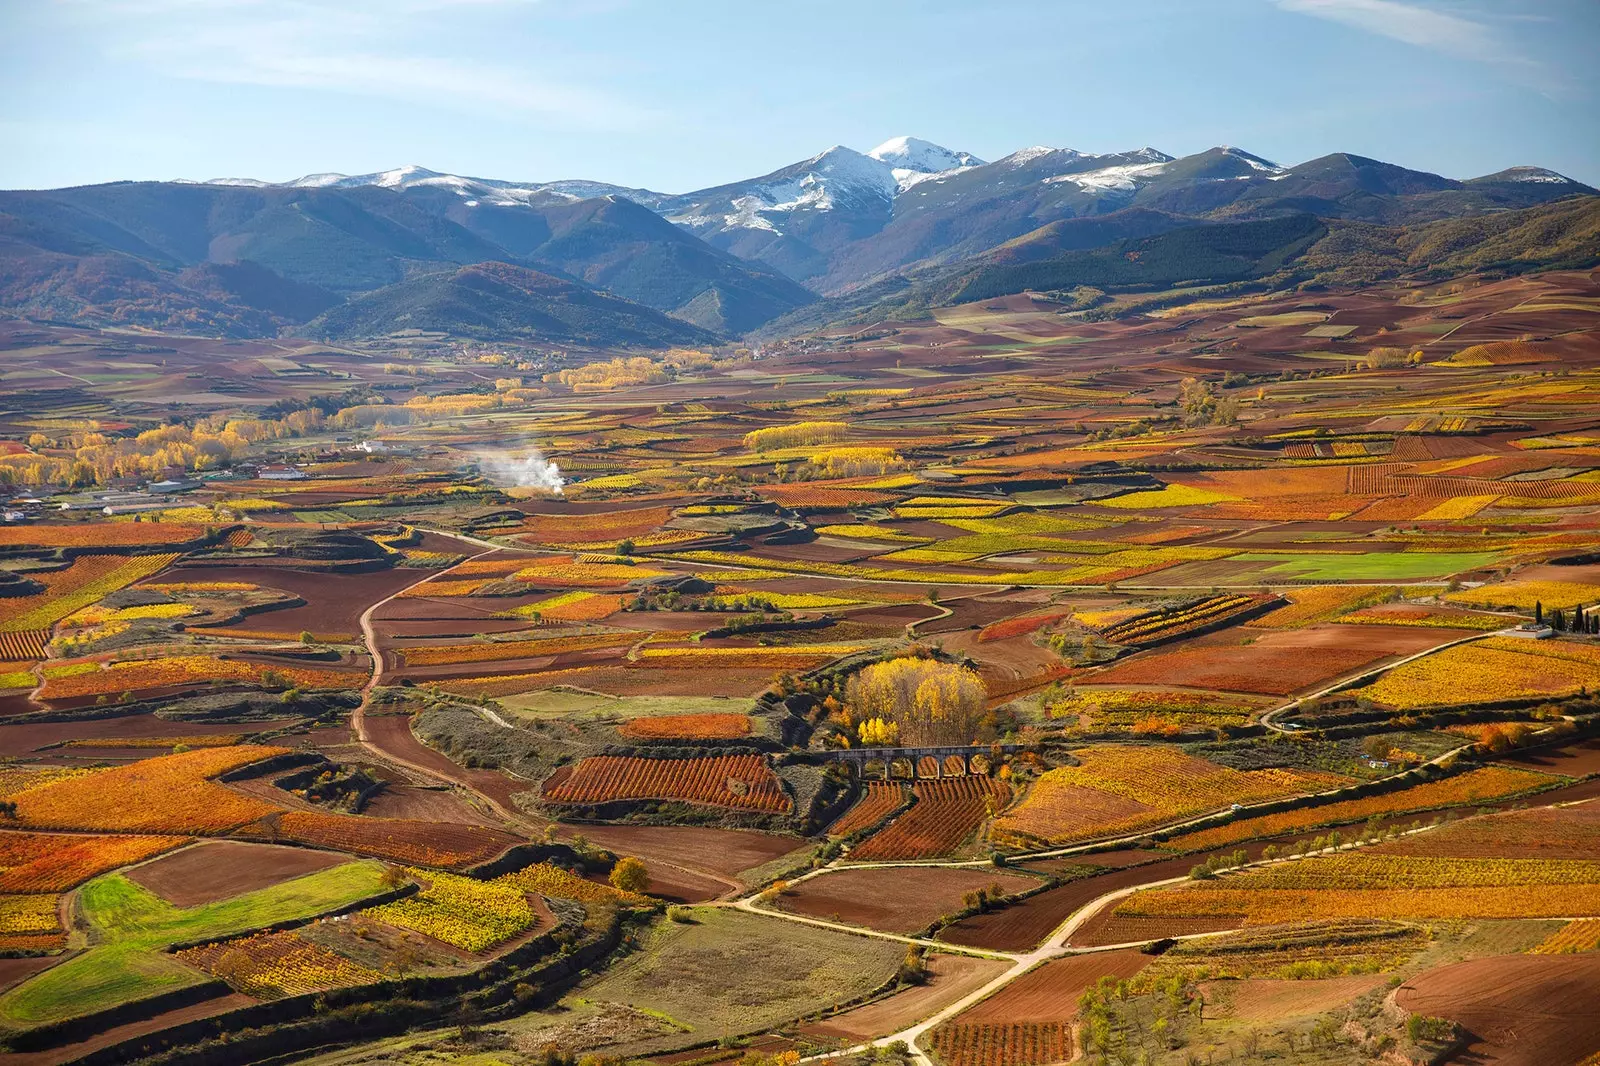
(837,234)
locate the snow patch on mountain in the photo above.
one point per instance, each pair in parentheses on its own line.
(1255,162)
(1536,174)
(1126,177)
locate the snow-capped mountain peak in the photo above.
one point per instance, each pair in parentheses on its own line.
(914,153)
(912,160)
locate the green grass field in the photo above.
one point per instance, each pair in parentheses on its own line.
(1387,566)
(733,972)
(129,927)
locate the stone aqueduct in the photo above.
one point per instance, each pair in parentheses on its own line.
(921,764)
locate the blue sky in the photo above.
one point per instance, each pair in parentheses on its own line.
(680,94)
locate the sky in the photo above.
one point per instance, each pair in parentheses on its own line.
(675,95)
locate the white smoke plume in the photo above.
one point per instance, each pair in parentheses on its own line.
(526,471)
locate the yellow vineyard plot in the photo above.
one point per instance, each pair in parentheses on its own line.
(1498,668)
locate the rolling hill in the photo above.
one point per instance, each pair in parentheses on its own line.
(494,301)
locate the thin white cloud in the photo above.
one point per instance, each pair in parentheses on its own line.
(374,48)
(1426,27)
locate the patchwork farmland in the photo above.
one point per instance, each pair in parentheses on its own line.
(937,697)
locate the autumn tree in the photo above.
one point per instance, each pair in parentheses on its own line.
(630,875)
(927,701)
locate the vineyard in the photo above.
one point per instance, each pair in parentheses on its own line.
(1020,626)
(1474,786)
(139,674)
(1318,603)
(1522,595)
(494,651)
(1124,788)
(1002,1043)
(42,862)
(86,581)
(1383,886)
(167,794)
(23,646)
(1168,623)
(801,657)
(549,880)
(1298,951)
(742,782)
(687,727)
(878,801)
(30,914)
(945,814)
(1497,668)
(460,911)
(102,535)
(1125,708)
(1581,935)
(273,965)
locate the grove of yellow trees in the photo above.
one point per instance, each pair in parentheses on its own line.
(926,701)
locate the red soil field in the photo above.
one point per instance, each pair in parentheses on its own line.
(897,900)
(743,782)
(23,738)
(877,800)
(1573,760)
(218,869)
(396,839)
(15,971)
(1523,1010)
(953,976)
(423,804)
(723,852)
(1278,663)
(1541,833)
(1050,992)
(73,1052)
(334,602)
(1106,928)
(945,814)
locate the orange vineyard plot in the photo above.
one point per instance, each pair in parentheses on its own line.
(102,535)
(1581,935)
(743,782)
(26,646)
(141,674)
(687,727)
(946,813)
(878,801)
(1124,788)
(168,794)
(45,862)
(445,654)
